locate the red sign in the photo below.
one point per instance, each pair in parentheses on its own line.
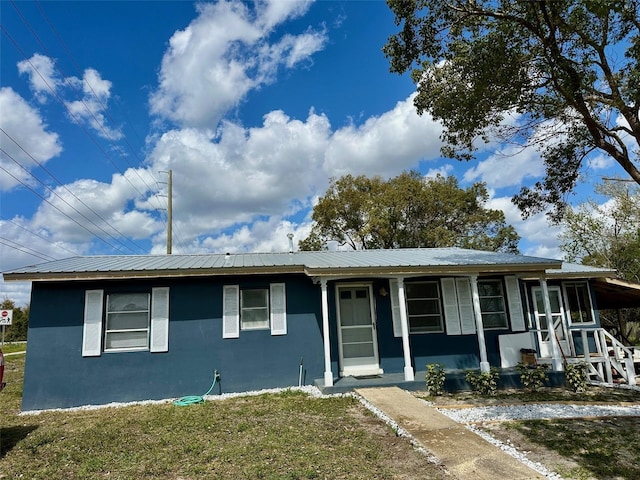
(6,317)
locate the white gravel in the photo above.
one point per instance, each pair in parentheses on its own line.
(536,411)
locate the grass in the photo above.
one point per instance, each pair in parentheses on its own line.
(603,448)
(276,436)
(13,347)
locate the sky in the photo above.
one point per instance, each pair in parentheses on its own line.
(253,107)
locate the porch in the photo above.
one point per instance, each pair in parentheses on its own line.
(454,382)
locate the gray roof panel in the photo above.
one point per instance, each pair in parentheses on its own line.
(321,263)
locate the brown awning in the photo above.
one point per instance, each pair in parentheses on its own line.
(612,293)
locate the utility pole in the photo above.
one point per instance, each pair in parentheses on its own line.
(169,210)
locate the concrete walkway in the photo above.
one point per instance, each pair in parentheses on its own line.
(463,453)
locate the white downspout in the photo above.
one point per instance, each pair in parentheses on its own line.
(556,359)
(477,312)
(409,375)
(328,374)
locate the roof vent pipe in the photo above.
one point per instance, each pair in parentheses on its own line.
(290,237)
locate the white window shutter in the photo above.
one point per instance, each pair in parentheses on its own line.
(160,319)
(278,311)
(515,304)
(92,329)
(395,308)
(231,311)
(450,301)
(465,305)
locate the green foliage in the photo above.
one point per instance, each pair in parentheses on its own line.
(435,378)
(17,331)
(561,77)
(533,377)
(575,375)
(483,383)
(408,211)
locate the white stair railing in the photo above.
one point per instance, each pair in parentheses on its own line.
(610,355)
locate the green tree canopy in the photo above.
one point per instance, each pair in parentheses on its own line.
(607,234)
(408,211)
(562,76)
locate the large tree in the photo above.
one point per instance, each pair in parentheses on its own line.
(408,211)
(607,234)
(562,76)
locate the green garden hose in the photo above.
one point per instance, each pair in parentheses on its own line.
(193,399)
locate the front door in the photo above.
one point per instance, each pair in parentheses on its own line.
(357,331)
(559,328)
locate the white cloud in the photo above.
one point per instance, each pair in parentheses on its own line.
(385,145)
(444,170)
(539,238)
(24,125)
(43,79)
(507,167)
(224,53)
(90,109)
(103,209)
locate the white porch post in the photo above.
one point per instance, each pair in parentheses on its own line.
(409,375)
(328,374)
(556,359)
(477,313)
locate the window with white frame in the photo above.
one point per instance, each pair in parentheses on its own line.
(122,322)
(579,302)
(424,309)
(127,321)
(254,309)
(492,305)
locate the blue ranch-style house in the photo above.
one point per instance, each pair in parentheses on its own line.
(108,329)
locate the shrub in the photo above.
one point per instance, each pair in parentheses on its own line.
(575,375)
(434,378)
(483,383)
(533,377)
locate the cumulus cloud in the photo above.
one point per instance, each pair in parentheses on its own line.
(86,208)
(43,79)
(539,238)
(223,54)
(24,135)
(385,145)
(507,167)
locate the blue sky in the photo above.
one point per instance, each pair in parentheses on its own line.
(252,106)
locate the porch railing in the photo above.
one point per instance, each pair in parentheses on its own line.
(609,358)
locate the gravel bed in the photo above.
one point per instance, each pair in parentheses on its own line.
(536,411)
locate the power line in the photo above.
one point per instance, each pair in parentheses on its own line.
(24,249)
(104,109)
(69,191)
(42,237)
(54,206)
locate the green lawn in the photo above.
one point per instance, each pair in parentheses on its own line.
(13,347)
(283,436)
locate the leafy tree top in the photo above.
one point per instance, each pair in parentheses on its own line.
(408,211)
(562,76)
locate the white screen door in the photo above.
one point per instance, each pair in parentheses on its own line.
(358,344)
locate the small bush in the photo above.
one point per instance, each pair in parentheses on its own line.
(483,383)
(434,378)
(575,375)
(533,377)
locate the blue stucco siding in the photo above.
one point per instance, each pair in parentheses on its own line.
(57,375)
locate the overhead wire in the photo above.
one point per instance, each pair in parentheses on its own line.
(97,121)
(25,249)
(104,107)
(48,240)
(69,191)
(52,204)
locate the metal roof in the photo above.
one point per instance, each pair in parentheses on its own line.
(580,271)
(323,263)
